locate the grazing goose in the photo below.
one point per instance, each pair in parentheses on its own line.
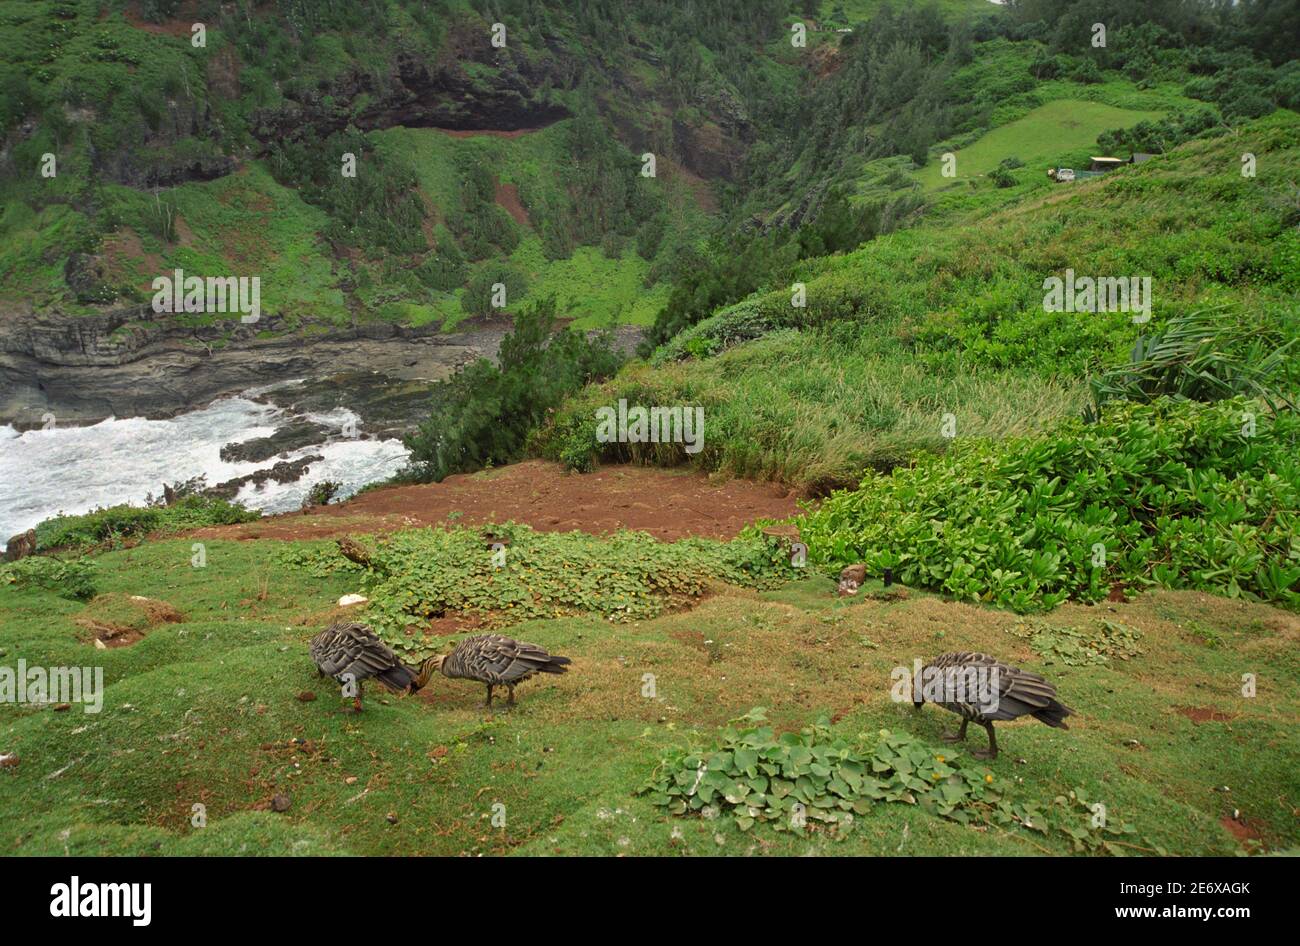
(958,679)
(493,660)
(351,652)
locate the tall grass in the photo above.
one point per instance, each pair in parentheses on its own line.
(805,409)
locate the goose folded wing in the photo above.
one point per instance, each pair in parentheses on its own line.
(527,660)
(490,659)
(360,657)
(1020,693)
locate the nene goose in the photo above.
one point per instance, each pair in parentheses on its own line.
(351,652)
(493,660)
(964,683)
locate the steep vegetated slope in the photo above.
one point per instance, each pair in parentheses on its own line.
(475,162)
(1000,456)
(948,318)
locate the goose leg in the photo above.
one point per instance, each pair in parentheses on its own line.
(488,704)
(957,736)
(356,703)
(510,700)
(992,752)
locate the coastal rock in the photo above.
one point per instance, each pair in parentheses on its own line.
(291,437)
(132,363)
(286,471)
(20,546)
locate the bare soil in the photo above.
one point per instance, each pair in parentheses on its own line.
(668,504)
(507,195)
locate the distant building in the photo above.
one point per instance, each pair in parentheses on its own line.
(1105,164)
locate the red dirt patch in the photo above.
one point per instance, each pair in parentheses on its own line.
(116,620)
(180,25)
(668,504)
(1204,714)
(124,256)
(456,623)
(700,189)
(1239,830)
(507,195)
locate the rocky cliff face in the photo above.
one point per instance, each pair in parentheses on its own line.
(421,94)
(82,369)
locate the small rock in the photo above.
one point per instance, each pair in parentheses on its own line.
(306,696)
(350,780)
(392,818)
(60,707)
(280,802)
(8,761)
(348,600)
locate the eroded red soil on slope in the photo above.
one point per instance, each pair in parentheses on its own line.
(668,504)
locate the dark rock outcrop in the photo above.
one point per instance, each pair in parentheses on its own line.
(290,437)
(286,471)
(20,546)
(417,93)
(85,368)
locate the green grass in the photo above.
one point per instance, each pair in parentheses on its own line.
(206,712)
(591,287)
(797,408)
(859,10)
(948,317)
(1044,138)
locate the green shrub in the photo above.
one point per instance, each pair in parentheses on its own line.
(67,579)
(1086,72)
(1207,356)
(484,413)
(419,574)
(478,296)
(1002,177)
(815,780)
(114,523)
(742,322)
(1173,493)
(443,269)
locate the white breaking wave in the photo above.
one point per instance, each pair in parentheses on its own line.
(76,469)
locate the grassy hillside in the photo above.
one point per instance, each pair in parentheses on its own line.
(209,712)
(1040,139)
(948,318)
(227,156)
(1110,502)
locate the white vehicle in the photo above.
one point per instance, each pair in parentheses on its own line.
(1063,175)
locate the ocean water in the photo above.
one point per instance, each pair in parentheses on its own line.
(76,469)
